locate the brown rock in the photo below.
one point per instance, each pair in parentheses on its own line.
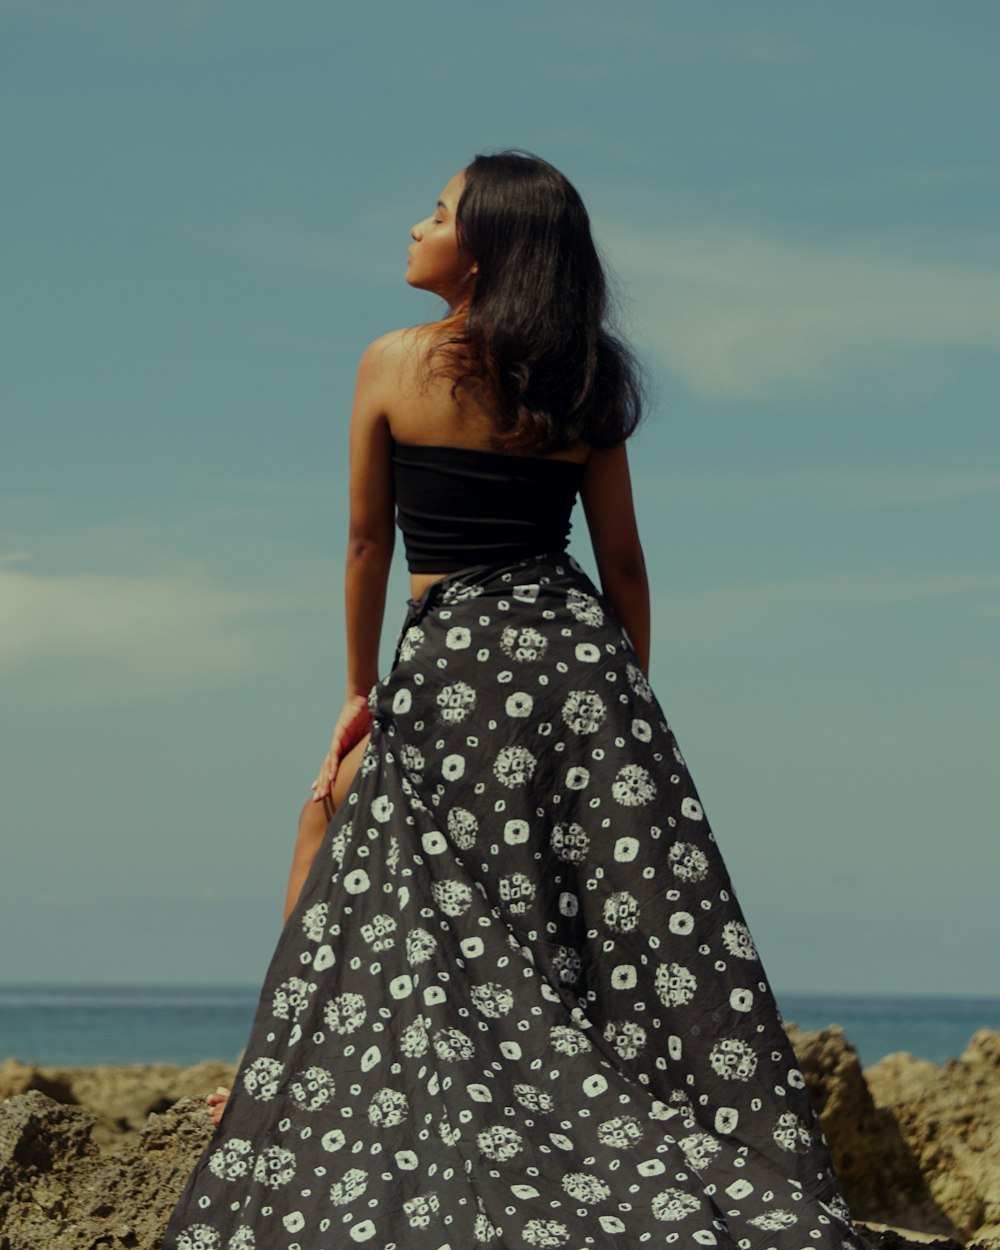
(949,1117)
(124,1096)
(881,1177)
(17,1078)
(884,1238)
(59,1191)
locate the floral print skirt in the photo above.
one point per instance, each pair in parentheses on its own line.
(517,1004)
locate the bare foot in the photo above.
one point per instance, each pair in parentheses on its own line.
(217,1102)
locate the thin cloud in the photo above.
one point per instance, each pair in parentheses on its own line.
(19,556)
(119,634)
(740,315)
(830,490)
(719,605)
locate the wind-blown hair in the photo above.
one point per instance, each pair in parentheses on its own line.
(535,329)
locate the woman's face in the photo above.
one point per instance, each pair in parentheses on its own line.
(436,262)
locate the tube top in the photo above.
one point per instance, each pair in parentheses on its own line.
(459,506)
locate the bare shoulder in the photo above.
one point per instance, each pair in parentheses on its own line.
(394,359)
(397,348)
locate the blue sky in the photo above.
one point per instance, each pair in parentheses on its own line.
(206,211)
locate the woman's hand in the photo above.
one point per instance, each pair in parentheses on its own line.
(217,1102)
(352,724)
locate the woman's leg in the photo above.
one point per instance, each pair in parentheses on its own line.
(314,820)
(348,767)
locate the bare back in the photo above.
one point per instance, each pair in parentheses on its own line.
(421,410)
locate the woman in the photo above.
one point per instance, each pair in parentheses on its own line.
(515,1001)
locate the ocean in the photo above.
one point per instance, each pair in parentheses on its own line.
(88,1024)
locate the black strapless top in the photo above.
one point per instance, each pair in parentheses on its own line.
(459,506)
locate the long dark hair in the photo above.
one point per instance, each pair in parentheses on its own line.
(535,329)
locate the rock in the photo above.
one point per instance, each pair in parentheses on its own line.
(121,1096)
(59,1191)
(124,1096)
(43,1144)
(886,1238)
(948,1117)
(17,1078)
(881,1177)
(916,1145)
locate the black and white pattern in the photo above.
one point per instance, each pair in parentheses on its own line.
(517,1004)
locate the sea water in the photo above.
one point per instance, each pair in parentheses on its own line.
(183,1024)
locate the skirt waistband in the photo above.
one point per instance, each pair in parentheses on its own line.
(475,574)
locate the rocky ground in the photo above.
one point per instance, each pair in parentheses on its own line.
(916,1145)
(94,1158)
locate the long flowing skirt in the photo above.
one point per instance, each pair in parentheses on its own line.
(517,1004)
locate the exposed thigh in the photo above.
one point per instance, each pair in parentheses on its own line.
(348,767)
(315,817)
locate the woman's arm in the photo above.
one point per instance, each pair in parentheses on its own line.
(606,494)
(372,533)
(369,550)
